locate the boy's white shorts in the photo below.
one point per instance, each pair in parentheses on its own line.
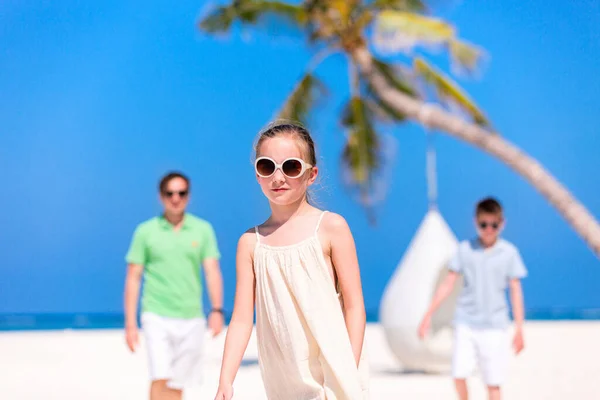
(174,347)
(487,349)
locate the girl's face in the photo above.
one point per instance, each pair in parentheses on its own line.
(279,188)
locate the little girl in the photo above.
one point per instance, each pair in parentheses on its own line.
(300,270)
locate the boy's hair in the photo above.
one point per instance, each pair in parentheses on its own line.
(164,181)
(489,205)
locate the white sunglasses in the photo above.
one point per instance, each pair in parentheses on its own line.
(291,167)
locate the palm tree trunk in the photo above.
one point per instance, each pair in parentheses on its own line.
(431,115)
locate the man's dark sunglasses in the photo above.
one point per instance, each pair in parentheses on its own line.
(181,193)
(484,225)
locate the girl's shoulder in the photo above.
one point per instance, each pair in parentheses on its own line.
(248,239)
(333,223)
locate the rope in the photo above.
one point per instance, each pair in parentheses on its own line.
(430,172)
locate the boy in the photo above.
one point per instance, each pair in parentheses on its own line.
(488,264)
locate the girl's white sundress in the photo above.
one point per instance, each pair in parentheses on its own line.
(304,350)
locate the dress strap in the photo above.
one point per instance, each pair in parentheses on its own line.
(319,222)
(257,235)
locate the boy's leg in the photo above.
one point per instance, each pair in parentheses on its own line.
(463,359)
(461,389)
(494,393)
(494,348)
(160,391)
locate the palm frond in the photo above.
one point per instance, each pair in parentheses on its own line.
(250,12)
(403,31)
(360,155)
(399,5)
(395,76)
(466,58)
(381,111)
(448,92)
(307,92)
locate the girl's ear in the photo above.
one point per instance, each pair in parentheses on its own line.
(314,172)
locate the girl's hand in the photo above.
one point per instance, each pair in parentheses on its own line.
(225,392)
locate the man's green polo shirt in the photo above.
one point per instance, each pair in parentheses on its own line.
(172,261)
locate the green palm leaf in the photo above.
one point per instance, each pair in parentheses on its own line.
(381,111)
(448,91)
(403,31)
(249,12)
(396,76)
(360,155)
(465,57)
(400,5)
(308,91)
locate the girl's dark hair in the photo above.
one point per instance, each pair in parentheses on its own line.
(293,129)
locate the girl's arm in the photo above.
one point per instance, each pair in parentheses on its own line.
(242,319)
(345,262)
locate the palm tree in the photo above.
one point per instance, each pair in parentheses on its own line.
(392,91)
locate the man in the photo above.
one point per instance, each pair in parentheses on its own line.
(488,264)
(168,251)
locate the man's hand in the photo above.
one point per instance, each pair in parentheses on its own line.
(518,343)
(216,322)
(132,337)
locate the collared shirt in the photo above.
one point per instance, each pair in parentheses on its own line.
(486,273)
(172,260)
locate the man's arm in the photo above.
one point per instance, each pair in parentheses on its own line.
(131,296)
(214,284)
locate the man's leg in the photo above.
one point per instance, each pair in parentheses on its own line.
(160,356)
(463,359)
(187,368)
(494,392)
(461,389)
(160,391)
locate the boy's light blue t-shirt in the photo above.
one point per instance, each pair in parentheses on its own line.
(486,273)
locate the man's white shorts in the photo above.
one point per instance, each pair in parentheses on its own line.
(487,349)
(174,348)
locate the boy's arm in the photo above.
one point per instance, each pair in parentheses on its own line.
(516,300)
(443,291)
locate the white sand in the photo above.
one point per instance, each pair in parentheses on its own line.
(561,361)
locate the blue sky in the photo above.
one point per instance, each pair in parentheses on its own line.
(98,100)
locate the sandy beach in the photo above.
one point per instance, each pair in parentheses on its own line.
(561,361)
